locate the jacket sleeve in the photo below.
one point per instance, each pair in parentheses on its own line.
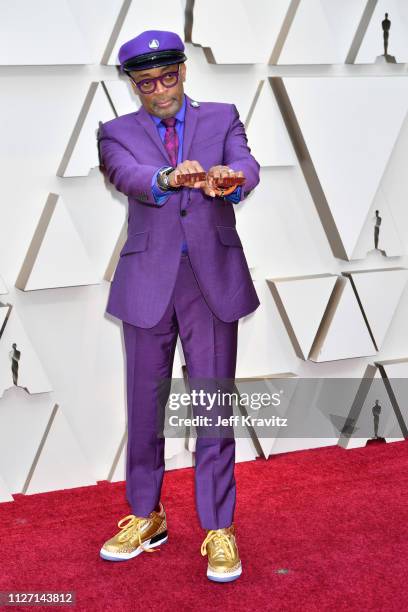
(122,169)
(237,154)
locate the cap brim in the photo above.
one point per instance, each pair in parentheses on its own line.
(154,60)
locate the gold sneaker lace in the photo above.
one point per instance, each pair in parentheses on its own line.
(135,524)
(219,537)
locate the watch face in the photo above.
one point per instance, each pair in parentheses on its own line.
(163,178)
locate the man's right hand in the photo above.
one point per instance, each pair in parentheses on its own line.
(185,168)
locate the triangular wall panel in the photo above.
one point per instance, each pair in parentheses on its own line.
(379,292)
(121,96)
(259,26)
(388,243)
(43,32)
(3,287)
(5,495)
(61,463)
(270,143)
(302,302)
(344,333)
(321,31)
(28,370)
(81,153)
(23,421)
(56,256)
(262,348)
(336,124)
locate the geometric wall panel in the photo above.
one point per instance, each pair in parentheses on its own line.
(394,368)
(336,125)
(136,17)
(43,32)
(5,310)
(372,43)
(3,288)
(23,421)
(379,293)
(301,302)
(290,445)
(121,96)
(272,384)
(266,131)
(5,494)
(306,427)
(388,241)
(118,469)
(343,333)
(321,32)
(326,321)
(391,370)
(56,256)
(371,392)
(207,82)
(114,259)
(245,450)
(19,365)
(60,462)
(261,346)
(81,153)
(258,25)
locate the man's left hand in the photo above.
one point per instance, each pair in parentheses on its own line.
(209,187)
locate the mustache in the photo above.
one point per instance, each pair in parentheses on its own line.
(162,101)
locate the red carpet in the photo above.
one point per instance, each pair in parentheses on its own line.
(323,529)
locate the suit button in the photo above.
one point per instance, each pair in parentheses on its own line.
(183,213)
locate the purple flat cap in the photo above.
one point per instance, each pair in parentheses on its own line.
(151,49)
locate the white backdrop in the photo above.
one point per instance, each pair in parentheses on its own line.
(350,119)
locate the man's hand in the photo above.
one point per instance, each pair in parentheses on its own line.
(208,186)
(218,172)
(185,168)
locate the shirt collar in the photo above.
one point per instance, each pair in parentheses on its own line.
(179,115)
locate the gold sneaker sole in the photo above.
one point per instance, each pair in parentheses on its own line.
(156,540)
(224,576)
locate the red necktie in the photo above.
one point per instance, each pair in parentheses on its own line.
(171,141)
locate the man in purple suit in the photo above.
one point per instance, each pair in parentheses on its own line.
(182,271)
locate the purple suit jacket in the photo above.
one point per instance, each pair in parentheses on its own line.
(131,150)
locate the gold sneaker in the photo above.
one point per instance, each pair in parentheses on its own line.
(224,564)
(137,534)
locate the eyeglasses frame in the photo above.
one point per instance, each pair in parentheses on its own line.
(155,79)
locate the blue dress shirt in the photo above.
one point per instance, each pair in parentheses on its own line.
(161,196)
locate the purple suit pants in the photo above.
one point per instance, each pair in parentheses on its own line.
(210,348)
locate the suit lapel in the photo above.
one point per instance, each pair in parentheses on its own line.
(190,122)
(148,124)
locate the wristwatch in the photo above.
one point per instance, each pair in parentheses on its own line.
(163,179)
